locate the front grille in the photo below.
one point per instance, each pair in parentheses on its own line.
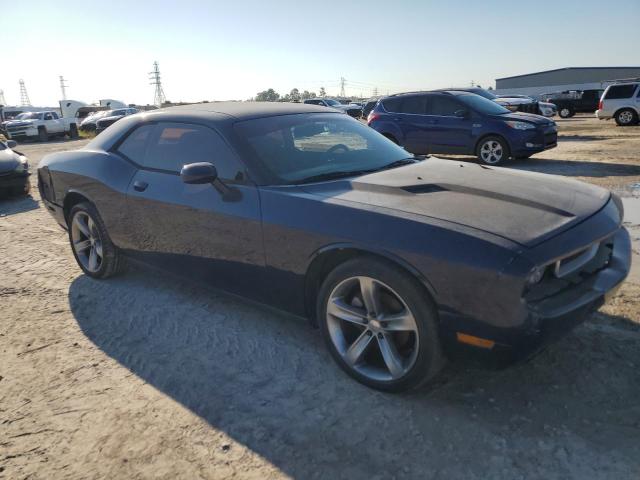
(571,271)
(529,108)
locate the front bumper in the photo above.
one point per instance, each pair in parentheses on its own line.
(530,142)
(14,181)
(21,132)
(547,319)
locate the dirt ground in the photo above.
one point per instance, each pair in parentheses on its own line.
(145,377)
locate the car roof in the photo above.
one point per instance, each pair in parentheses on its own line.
(420,92)
(238,110)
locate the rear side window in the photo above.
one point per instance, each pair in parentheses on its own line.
(443,106)
(620,91)
(415,105)
(135,145)
(392,105)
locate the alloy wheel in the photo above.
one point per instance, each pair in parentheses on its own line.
(564,113)
(491,152)
(86,241)
(372,328)
(625,117)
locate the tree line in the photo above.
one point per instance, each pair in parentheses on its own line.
(270,95)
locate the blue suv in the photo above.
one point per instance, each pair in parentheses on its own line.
(457,122)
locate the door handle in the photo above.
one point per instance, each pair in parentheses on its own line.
(140,186)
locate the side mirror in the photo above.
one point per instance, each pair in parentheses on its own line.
(199,173)
(462,113)
(12,144)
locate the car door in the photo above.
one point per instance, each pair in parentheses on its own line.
(409,113)
(52,125)
(207,232)
(449,132)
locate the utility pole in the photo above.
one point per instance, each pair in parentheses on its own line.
(342,83)
(154,76)
(2,100)
(375,92)
(63,87)
(24,96)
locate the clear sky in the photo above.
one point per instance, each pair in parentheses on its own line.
(217,50)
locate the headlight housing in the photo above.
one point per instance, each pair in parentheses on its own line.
(23,165)
(521,125)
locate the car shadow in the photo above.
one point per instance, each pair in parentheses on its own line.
(266,380)
(11,205)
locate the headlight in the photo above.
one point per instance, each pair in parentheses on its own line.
(521,125)
(23,165)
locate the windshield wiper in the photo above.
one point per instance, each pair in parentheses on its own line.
(323,177)
(400,163)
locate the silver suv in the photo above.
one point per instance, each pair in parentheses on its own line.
(620,101)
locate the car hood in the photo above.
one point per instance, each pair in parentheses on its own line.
(525,117)
(8,160)
(19,123)
(523,207)
(111,119)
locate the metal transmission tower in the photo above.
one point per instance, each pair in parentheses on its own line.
(24,96)
(63,87)
(342,83)
(154,76)
(2,100)
(375,92)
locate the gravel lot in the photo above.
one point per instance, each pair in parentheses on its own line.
(143,376)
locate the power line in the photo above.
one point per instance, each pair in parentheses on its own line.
(154,76)
(63,87)
(24,96)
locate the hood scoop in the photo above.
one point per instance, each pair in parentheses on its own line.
(425,188)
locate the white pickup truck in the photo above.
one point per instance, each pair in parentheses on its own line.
(40,126)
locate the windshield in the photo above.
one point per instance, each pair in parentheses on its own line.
(332,102)
(307,147)
(483,93)
(482,105)
(29,116)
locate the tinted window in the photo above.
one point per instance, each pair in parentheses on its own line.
(392,104)
(415,105)
(443,106)
(135,144)
(173,145)
(293,148)
(620,91)
(47,116)
(54,115)
(313,102)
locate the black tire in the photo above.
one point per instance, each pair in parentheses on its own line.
(112,261)
(492,160)
(73,131)
(626,117)
(566,112)
(429,359)
(43,136)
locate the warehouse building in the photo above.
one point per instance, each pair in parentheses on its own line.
(562,79)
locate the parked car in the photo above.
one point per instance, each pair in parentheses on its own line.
(368,106)
(40,126)
(458,122)
(621,102)
(515,103)
(352,110)
(14,170)
(90,122)
(399,261)
(571,102)
(113,117)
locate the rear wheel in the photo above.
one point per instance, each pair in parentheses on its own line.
(379,325)
(96,255)
(73,131)
(626,117)
(492,151)
(566,112)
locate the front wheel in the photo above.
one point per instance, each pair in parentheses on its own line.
(96,255)
(379,325)
(73,131)
(493,151)
(565,112)
(43,136)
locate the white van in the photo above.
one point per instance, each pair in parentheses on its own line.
(620,101)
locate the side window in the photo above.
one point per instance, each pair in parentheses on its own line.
(392,105)
(54,115)
(415,105)
(173,145)
(47,116)
(442,106)
(620,91)
(135,145)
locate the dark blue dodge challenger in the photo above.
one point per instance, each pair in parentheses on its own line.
(400,260)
